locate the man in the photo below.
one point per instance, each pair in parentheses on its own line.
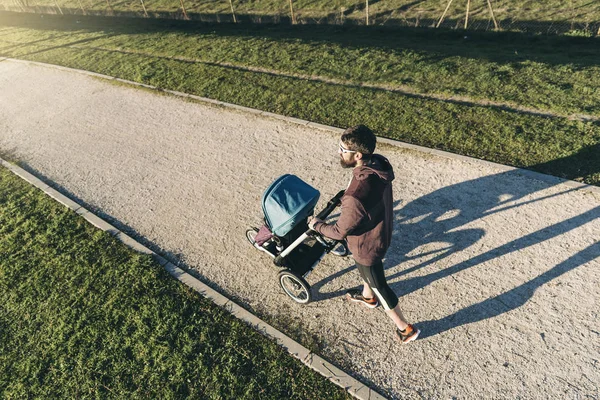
(366,223)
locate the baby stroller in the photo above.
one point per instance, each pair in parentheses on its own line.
(287,203)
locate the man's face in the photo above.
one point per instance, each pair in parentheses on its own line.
(347,156)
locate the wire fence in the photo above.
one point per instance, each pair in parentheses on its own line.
(574,17)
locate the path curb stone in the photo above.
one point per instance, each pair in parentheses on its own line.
(325,368)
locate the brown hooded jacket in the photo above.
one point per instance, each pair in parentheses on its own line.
(366,218)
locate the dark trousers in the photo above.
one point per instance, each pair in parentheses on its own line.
(375,277)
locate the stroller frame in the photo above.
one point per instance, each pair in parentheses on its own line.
(299,252)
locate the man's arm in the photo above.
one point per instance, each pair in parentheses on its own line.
(350,217)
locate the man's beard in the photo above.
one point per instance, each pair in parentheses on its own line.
(347,164)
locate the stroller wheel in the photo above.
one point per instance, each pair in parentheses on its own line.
(295,286)
(251,235)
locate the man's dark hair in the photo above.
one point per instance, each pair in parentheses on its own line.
(360,138)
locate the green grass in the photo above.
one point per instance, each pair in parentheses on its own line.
(507,68)
(511,13)
(83,316)
(559,74)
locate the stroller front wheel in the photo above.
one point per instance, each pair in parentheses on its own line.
(295,286)
(251,235)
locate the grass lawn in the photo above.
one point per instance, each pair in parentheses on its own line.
(218,62)
(512,14)
(559,74)
(83,316)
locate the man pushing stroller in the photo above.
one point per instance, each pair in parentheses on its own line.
(366,222)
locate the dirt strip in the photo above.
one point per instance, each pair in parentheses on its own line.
(498,269)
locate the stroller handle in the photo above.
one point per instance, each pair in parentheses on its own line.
(331,205)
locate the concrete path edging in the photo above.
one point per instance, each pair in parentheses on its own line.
(525,172)
(308,358)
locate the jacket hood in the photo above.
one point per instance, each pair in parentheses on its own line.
(378,165)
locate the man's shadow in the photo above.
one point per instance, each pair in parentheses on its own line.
(441,217)
(440,220)
(435,217)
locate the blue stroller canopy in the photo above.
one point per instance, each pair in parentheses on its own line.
(286,202)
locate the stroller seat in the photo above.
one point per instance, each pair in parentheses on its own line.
(287,203)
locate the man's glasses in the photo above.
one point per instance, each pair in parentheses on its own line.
(345,150)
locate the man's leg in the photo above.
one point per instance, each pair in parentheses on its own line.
(376,284)
(367,292)
(365,296)
(395,314)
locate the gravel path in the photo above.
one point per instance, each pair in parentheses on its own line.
(499,270)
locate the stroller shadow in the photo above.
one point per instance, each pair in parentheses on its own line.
(318,295)
(440,220)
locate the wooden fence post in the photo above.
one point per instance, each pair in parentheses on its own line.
(35,7)
(492,14)
(232,12)
(144,7)
(183,8)
(59,9)
(367,11)
(20,5)
(572,15)
(444,14)
(292,11)
(81,5)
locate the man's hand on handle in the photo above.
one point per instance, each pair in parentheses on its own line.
(312,221)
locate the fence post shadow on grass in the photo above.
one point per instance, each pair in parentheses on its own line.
(68,44)
(18,45)
(502,47)
(400,17)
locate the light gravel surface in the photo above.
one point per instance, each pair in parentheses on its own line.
(499,270)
